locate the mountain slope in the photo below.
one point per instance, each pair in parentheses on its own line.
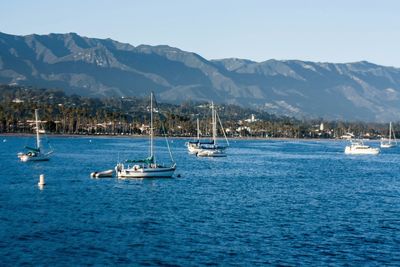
(104,67)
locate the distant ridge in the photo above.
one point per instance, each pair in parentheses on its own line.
(104,67)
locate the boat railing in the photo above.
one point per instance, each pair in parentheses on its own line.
(356,142)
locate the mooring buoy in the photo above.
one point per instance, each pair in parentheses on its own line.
(41,180)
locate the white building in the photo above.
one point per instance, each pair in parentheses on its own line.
(252,118)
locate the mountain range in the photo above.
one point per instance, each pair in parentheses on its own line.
(104,67)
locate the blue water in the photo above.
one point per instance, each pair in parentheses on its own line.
(268,202)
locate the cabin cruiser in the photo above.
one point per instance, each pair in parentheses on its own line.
(357,147)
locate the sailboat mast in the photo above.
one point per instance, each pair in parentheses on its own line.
(151,125)
(390,132)
(198,129)
(214,123)
(37,129)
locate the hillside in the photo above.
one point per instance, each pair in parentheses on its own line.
(104,67)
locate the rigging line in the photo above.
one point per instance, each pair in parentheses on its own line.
(169,150)
(32,129)
(163,129)
(222,127)
(46,137)
(27,139)
(151,128)
(394,136)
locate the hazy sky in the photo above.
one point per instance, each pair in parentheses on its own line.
(319,30)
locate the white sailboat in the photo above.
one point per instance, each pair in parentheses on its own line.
(146,168)
(35,153)
(357,147)
(213,149)
(195,146)
(388,143)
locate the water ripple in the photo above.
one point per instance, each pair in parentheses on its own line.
(268,202)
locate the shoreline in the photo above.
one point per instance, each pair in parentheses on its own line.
(177,137)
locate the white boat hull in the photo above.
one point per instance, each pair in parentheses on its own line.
(107,173)
(387,145)
(211,153)
(140,172)
(196,148)
(193,149)
(361,151)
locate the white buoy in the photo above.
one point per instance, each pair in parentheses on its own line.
(41,180)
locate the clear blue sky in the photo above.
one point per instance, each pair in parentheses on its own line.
(319,30)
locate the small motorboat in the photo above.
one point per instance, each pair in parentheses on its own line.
(357,147)
(103,174)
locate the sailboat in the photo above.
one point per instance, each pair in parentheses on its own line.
(35,153)
(195,146)
(388,143)
(148,167)
(213,149)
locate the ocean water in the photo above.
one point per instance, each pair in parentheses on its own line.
(268,202)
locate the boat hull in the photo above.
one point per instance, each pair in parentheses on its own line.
(158,172)
(26,158)
(211,153)
(193,149)
(103,174)
(387,145)
(366,151)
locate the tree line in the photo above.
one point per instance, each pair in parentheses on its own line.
(72,114)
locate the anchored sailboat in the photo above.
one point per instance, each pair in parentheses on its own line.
(35,153)
(195,146)
(388,143)
(212,149)
(148,167)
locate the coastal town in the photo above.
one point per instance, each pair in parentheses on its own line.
(124,116)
